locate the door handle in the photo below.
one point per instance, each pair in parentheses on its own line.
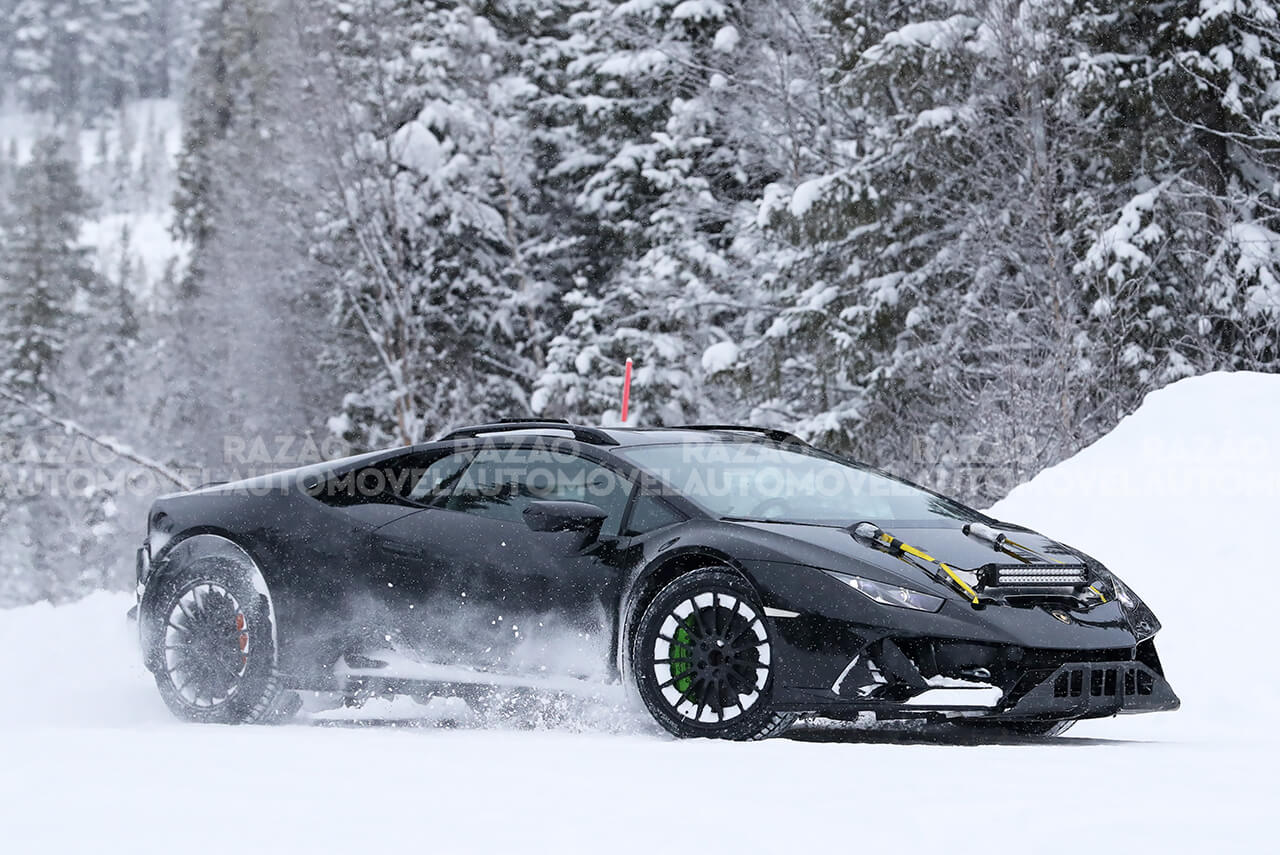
(400,548)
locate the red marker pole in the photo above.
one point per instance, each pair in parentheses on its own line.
(626,391)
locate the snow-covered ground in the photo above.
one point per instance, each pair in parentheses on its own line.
(1181,499)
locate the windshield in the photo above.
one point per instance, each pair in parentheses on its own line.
(760,481)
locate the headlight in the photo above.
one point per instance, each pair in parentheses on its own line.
(1127,598)
(891,595)
(1141,619)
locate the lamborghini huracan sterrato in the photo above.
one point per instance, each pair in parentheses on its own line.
(734,577)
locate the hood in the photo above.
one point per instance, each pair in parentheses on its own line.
(835,548)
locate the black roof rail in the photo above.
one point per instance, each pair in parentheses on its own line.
(593,436)
(774,434)
(520,420)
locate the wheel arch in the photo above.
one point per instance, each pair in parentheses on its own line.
(197,545)
(657,575)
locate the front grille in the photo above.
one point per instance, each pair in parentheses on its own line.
(1103,682)
(1034,575)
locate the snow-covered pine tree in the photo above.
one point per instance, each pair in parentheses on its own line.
(665,95)
(246,311)
(117,48)
(225,82)
(7,39)
(42,268)
(1190,94)
(76,57)
(930,308)
(861,227)
(34,34)
(429,226)
(44,273)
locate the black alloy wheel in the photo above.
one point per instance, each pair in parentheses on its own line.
(703,659)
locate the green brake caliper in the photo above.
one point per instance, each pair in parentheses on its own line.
(682,648)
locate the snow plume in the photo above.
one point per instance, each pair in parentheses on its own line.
(569,680)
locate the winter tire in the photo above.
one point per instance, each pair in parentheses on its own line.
(215,656)
(702,659)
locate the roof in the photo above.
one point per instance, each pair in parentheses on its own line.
(612,436)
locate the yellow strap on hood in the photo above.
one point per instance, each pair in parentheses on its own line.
(893,543)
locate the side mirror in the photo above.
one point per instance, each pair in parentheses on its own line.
(564,516)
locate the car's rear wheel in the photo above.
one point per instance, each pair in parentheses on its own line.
(214,658)
(702,659)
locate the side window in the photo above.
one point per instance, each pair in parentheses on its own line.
(596,485)
(501,483)
(650,514)
(439,477)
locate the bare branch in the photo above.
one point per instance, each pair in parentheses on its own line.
(106,442)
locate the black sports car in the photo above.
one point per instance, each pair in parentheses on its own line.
(735,577)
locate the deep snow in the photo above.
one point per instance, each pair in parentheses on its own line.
(1181,500)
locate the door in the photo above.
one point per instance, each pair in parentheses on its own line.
(356,608)
(493,594)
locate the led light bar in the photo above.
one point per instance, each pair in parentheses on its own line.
(1057,575)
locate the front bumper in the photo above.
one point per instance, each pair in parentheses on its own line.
(1073,690)
(1091,690)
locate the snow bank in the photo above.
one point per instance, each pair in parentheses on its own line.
(1181,500)
(78,666)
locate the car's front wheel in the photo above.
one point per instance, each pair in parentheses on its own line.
(702,659)
(214,650)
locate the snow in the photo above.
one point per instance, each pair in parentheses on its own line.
(720,356)
(726,38)
(627,63)
(1123,241)
(934,35)
(808,194)
(1179,499)
(699,10)
(417,147)
(1257,246)
(938,117)
(146,237)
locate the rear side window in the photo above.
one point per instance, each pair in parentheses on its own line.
(438,478)
(414,479)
